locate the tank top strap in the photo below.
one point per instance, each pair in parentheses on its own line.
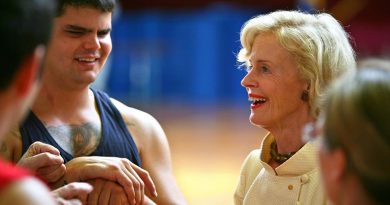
(116,138)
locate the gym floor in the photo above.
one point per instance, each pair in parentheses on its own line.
(208,146)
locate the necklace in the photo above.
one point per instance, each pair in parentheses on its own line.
(279,158)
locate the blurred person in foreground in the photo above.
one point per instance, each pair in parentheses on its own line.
(354,133)
(88,135)
(24,29)
(291,58)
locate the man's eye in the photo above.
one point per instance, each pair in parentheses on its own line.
(75,32)
(103,34)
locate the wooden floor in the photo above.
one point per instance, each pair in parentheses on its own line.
(208,146)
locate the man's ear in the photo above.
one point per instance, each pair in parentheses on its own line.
(28,71)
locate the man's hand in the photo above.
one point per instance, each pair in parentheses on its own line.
(75,193)
(132,178)
(106,192)
(45,160)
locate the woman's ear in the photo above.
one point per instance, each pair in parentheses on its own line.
(28,72)
(306,92)
(308,86)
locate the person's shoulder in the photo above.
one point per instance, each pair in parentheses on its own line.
(124,110)
(142,125)
(10,145)
(253,157)
(27,190)
(134,115)
(252,162)
(249,171)
(127,110)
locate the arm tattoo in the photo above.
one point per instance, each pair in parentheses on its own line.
(5,152)
(128,123)
(6,149)
(3,147)
(77,140)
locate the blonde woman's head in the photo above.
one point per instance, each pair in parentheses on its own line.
(318,43)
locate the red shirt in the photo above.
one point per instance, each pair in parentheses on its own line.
(9,174)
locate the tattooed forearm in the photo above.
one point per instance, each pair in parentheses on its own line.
(77,140)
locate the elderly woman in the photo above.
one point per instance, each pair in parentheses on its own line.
(290,57)
(355,153)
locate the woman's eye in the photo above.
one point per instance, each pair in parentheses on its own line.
(261,69)
(249,68)
(265,69)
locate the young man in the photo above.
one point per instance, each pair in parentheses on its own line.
(86,126)
(24,28)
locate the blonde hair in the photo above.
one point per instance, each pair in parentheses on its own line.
(357,117)
(318,43)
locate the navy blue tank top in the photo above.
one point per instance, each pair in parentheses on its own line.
(115,141)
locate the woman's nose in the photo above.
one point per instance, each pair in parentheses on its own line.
(247,81)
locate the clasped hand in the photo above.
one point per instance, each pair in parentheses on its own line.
(47,162)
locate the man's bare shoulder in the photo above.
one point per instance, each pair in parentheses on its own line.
(11,146)
(133,116)
(144,128)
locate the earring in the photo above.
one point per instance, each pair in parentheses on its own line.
(305,96)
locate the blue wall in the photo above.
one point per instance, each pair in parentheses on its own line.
(185,56)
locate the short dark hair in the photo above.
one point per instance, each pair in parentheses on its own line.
(356,121)
(24,25)
(102,5)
